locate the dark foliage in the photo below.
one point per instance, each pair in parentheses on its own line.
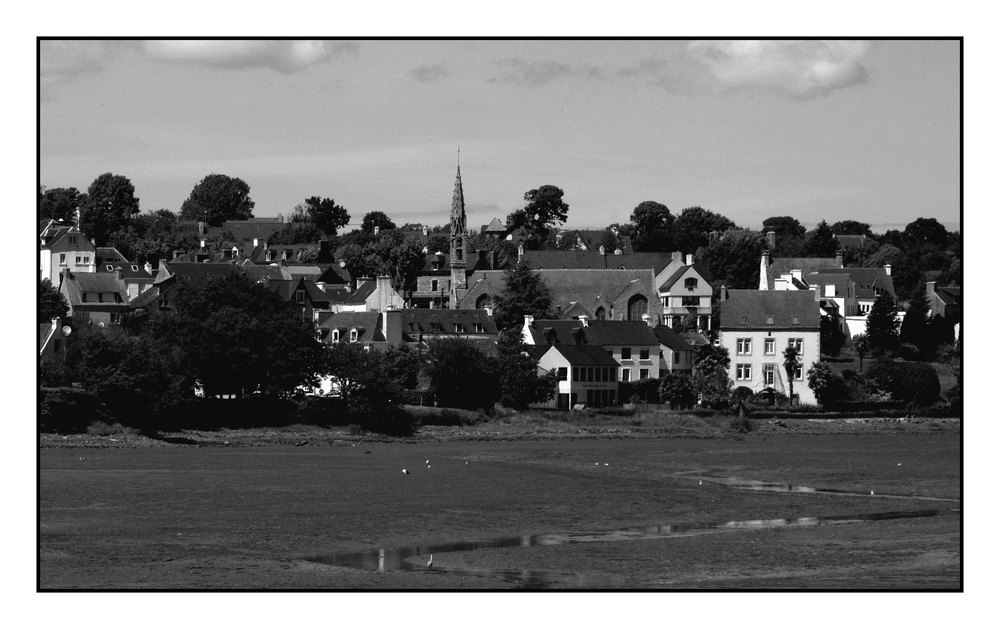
(218,198)
(882,327)
(59,204)
(524,293)
(520,382)
(734,259)
(831,336)
(677,390)
(693,226)
(327,215)
(461,376)
(909,382)
(653,222)
(51,303)
(376,219)
(109,206)
(543,209)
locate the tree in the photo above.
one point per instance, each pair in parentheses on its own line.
(694,224)
(461,375)
(731,259)
(543,209)
(59,204)
(327,215)
(882,327)
(376,219)
(678,390)
(51,303)
(710,375)
(150,237)
(218,198)
(402,364)
(789,235)
(851,228)
(820,243)
(397,255)
(926,231)
(520,383)
(831,335)
(825,385)
(791,364)
(359,376)
(914,328)
(652,222)
(863,347)
(524,293)
(109,206)
(239,337)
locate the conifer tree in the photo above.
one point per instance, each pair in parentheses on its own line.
(882,327)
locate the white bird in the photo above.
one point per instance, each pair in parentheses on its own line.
(430,561)
(466,462)
(428,462)
(428,467)
(873,493)
(404,471)
(898,464)
(605,465)
(699,482)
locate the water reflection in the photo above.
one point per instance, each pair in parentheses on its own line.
(383,559)
(758,485)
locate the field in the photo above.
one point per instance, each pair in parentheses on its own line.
(591,513)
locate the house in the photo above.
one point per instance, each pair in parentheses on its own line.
(687,293)
(52,340)
(432,286)
(371,295)
(587,374)
(632,344)
(676,353)
(757,325)
(420,325)
(869,284)
(64,248)
(370,329)
(136,279)
(304,294)
(100,298)
(786,273)
(172,277)
(945,302)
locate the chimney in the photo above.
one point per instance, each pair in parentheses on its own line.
(723,293)
(488,307)
(840,259)
(176,253)
(528,321)
(601,249)
(392,326)
(829,290)
(383,289)
(148,268)
(676,256)
(770,236)
(256,242)
(493,259)
(202,243)
(520,252)
(689,260)
(648,320)
(931,288)
(376,230)
(425,230)
(585,320)
(765,258)
(201,229)
(888,270)
(797,274)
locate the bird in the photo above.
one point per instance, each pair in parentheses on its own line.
(699,482)
(605,465)
(404,471)
(872,493)
(898,464)
(430,560)
(428,461)
(466,462)
(428,466)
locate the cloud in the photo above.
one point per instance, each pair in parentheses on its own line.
(796,68)
(427,73)
(541,72)
(65,61)
(284,56)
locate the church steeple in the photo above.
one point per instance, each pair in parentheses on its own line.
(459,234)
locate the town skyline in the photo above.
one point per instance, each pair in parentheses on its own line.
(749,129)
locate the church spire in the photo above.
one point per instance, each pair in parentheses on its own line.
(458,251)
(458,205)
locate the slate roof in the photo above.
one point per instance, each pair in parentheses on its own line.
(45,330)
(784,266)
(841,282)
(128,272)
(867,280)
(699,268)
(108,255)
(549,259)
(495,226)
(286,290)
(782,305)
(590,355)
(195,274)
(849,240)
(246,231)
(950,295)
(368,325)
(425,319)
(603,333)
(694,338)
(667,336)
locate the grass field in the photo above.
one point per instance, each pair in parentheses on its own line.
(222,517)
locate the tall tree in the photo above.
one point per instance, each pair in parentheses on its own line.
(694,224)
(520,383)
(926,231)
(851,228)
(543,209)
(524,293)
(732,259)
(376,219)
(110,205)
(327,215)
(710,375)
(218,198)
(59,204)
(789,235)
(653,222)
(914,328)
(461,376)
(397,255)
(831,336)
(791,364)
(820,242)
(882,327)
(51,303)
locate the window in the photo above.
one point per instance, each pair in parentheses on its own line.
(336,336)
(626,375)
(798,373)
(744,320)
(72,240)
(743,371)
(300,296)
(590,374)
(414,327)
(769,347)
(769,319)
(434,285)
(576,374)
(626,353)
(690,301)
(690,283)
(62,258)
(354,336)
(744,347)
(109,267)
(797,344)
(460,328)
(563,373)
(480,328)
(678,358)
(79,259)
(458,254)
(796,319)
(436,326)
(116,317)
(644,353)
(643,374)
(769,369)
(135,267)
(86,259)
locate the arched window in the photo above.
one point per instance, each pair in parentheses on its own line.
(601,314)
(637,306)
(483,301)
(691,283)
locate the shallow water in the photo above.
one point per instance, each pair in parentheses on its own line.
(414,558)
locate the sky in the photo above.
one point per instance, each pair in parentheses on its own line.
(815,129)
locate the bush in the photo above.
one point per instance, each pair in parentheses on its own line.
(66,410)
(769,397)
(101,428)
(741,394)
(909,382)
(641,391)
(742,425)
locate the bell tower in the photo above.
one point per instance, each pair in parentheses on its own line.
(459,252)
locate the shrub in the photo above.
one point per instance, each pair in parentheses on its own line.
(769,397)
(742,425)
(678,390)
(101,428)
(641,391)
(66,410)
(909,382)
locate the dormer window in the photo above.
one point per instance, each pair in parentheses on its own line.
(796,319)
(459,328)
(691,283)
(769,319)
(436,326)
(414,327)
(72,240)
(135,267)
(480,328)
(435,265)
(109,267)
(300,296)
(336,336)
(354,335)
(744,320)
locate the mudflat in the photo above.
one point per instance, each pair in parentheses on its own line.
(607,512)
